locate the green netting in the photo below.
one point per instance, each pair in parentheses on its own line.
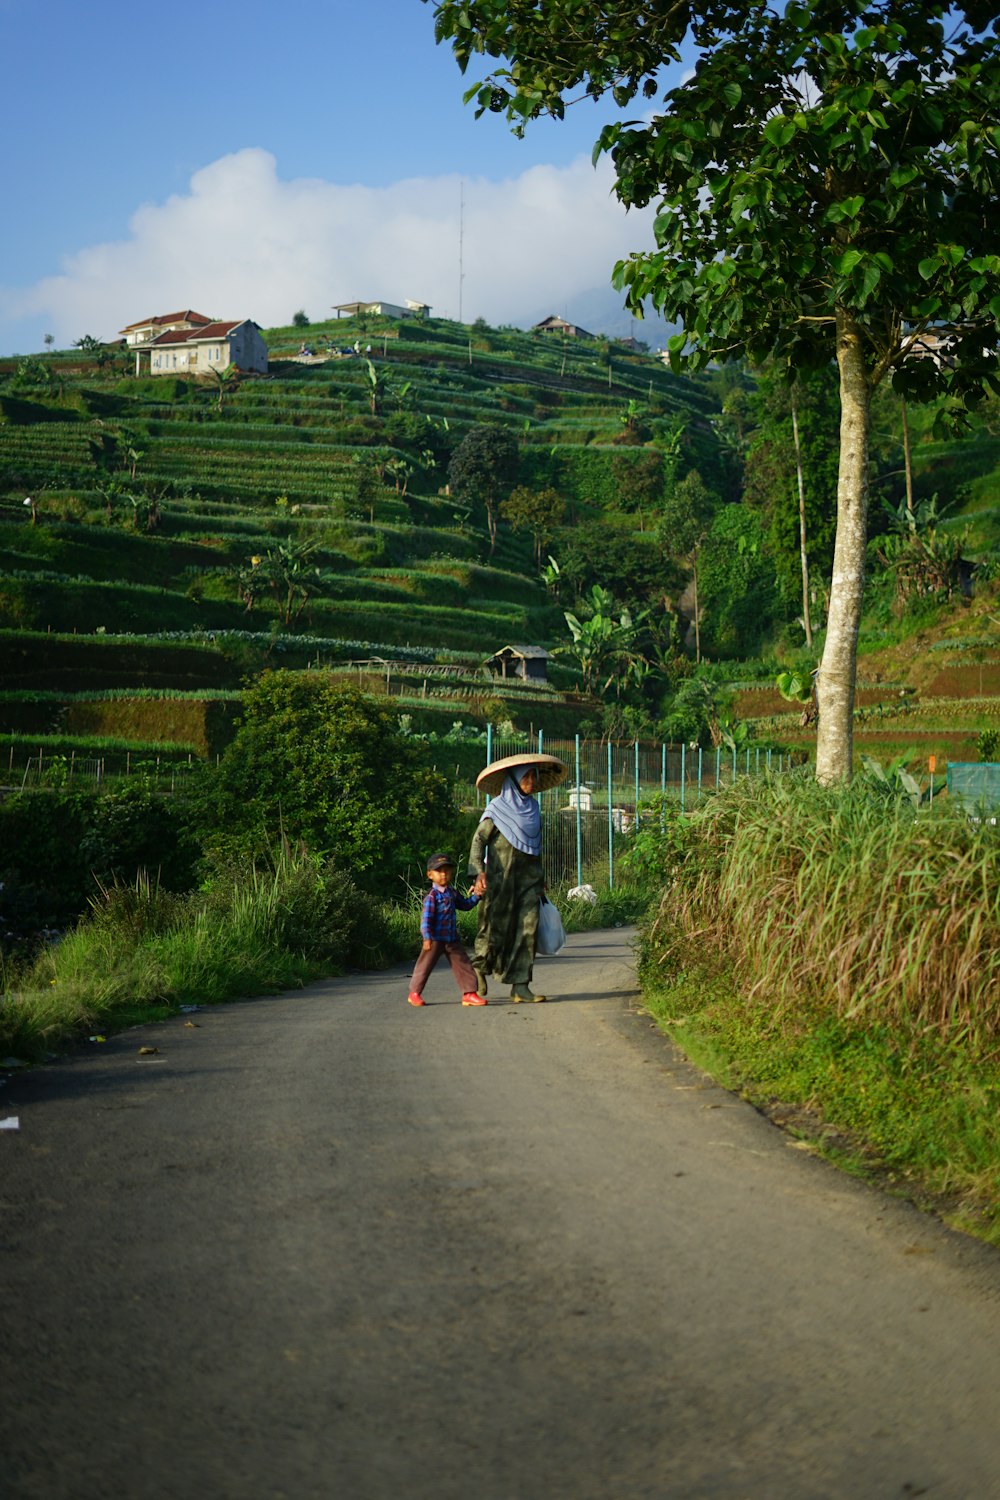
(975,785)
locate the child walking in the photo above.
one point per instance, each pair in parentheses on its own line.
(439,930)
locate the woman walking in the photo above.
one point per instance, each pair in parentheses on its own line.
(505,863)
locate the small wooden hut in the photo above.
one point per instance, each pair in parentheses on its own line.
(526,662)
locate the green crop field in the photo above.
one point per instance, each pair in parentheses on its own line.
(181,543)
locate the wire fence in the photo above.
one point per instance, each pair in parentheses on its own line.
(975,787)
(49,768)
(588,820)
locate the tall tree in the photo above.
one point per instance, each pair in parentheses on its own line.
(539,512)
(483,470)
(684,525)
(825,180)
(791,479)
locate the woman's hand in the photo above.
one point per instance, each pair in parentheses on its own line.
(427,944)
(479,889)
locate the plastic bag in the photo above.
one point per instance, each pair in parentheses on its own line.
(551,934)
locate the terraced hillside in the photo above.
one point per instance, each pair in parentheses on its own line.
(934,694)
(301,516)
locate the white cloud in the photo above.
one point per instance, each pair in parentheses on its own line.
(243,243)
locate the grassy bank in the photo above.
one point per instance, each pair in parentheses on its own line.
(835,958)
(143,952)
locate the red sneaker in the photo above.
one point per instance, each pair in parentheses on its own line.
(416,999)
(471,998)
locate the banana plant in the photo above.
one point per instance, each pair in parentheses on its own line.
(895,779)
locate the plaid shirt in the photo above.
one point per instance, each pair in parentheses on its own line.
(438,923)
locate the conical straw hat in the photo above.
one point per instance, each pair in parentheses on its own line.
(551,770)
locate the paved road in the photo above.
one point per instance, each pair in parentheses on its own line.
(324,1245)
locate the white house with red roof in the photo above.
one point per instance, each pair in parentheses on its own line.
(188,343)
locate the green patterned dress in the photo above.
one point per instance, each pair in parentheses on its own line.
(508,912)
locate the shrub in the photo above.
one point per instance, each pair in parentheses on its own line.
(63,845)
(316,760)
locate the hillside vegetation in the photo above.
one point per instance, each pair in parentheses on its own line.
(182,536)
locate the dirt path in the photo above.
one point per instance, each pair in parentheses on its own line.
(326,1245)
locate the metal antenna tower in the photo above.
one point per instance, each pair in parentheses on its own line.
(461,236)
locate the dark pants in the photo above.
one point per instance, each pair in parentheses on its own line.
(465,975)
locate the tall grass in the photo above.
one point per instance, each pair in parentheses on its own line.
(142,951)
(847,898)
(835,956)
(252,931)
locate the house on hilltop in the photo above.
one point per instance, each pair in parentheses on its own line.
(138,334)
(410,309)
(552,324)
(190,344)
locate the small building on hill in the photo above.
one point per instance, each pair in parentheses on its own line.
(553,324)
(527,662)
(139,335)
(410,309)
(197,345)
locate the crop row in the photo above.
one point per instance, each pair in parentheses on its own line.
(40,600)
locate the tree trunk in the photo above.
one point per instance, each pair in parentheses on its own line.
(908,469)
(807,623)
(697,625)
(838,669)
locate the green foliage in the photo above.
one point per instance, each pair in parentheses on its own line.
(698,712)
(539,512)
(845,900)
(686,515)
(625,478)
(736,583)
(610,553)
(316,760)
(254,928)
(483,470)
(823,187)
(837,952)
(639,480)
(988,744)
(59,846)
(300,319)
(921,557)
(771,484)
(599,639)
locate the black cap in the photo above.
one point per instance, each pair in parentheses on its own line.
(440,862)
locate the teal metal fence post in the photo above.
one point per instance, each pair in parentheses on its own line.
(579,826)
(769,759)
(540,751)
(748,760)
(637,786)
(683,773)
(700,754)
(718,767)
(489,750)
(611,829)
(734,765)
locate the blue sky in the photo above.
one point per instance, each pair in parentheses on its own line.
(251,159)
